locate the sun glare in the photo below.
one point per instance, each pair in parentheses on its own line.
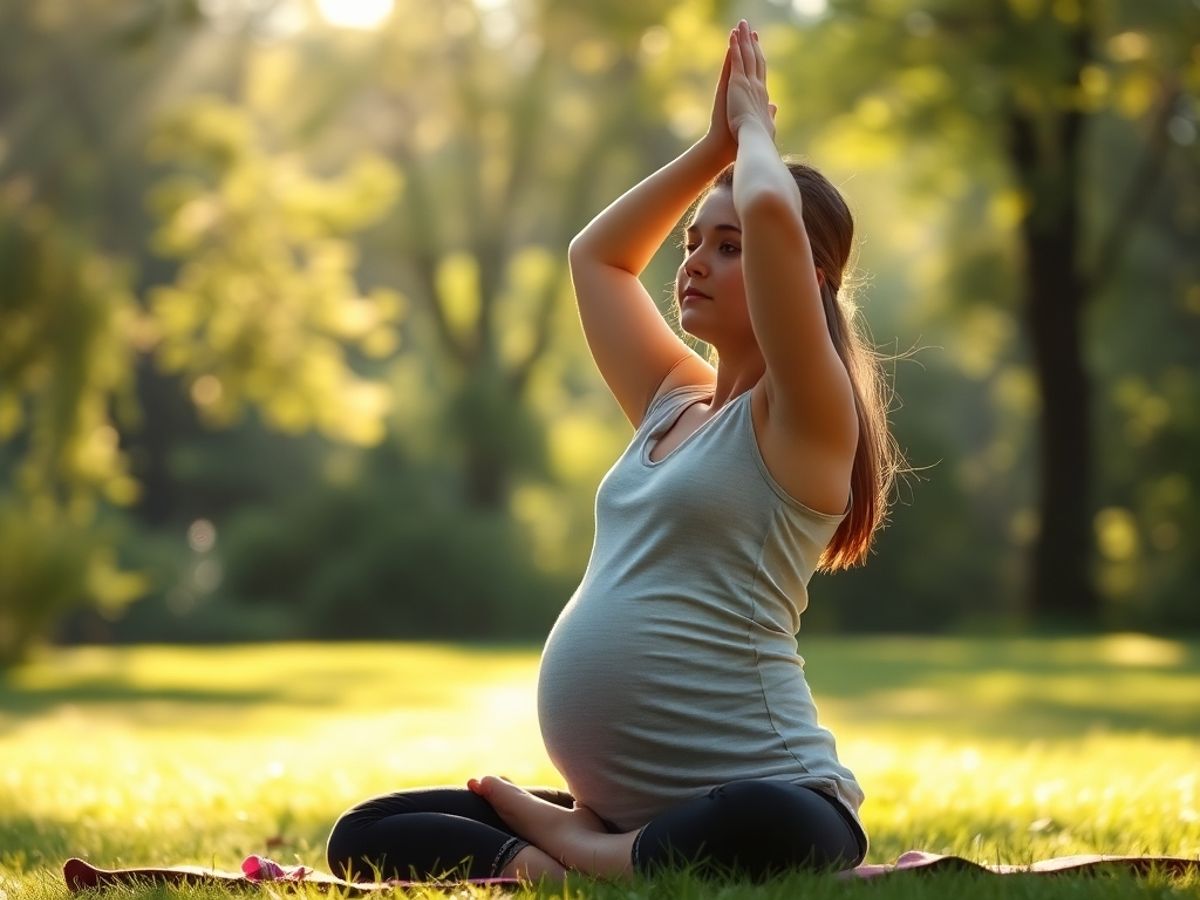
(810,9)
(355,13)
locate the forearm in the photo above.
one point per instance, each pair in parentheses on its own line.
(630,230)
(761,174)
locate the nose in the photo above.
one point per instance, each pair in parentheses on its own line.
(693,264)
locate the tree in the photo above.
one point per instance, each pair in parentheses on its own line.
(265,300)
(67,321)
(259,311)
(508,124)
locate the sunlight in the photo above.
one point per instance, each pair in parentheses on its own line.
(193,754)
(809,9)
(1141,650)
(355,13)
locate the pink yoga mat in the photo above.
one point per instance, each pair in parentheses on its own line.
(81,875)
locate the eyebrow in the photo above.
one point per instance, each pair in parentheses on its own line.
(721,227)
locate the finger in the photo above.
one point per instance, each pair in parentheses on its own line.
(737,65)
(747,46)
(750,51)
(760,60)
(772,109)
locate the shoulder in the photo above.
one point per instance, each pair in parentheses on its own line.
(812,473)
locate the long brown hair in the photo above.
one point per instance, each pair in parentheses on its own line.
(877,458)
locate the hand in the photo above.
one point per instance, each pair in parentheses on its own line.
(719,138)
(746,96)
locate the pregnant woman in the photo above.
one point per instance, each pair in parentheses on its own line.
(671,697)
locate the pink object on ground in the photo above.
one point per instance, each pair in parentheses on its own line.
(259,868)
(81,875)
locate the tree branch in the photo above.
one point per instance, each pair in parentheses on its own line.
(423,227)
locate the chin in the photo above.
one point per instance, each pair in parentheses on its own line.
(693,325)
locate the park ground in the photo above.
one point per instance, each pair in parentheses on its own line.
(1000,750)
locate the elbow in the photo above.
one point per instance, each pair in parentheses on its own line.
(577,247)
(584,252)
(580,251)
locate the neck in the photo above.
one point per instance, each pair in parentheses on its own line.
(738,370)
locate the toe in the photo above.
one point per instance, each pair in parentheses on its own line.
(494,788)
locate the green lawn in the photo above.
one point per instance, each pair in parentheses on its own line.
(1004,750)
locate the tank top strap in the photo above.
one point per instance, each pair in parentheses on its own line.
(664,406)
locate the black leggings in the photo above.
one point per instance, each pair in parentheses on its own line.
(749,829)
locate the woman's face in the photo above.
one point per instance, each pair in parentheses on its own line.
(709,286)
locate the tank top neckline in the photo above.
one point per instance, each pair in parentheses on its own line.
(657,434)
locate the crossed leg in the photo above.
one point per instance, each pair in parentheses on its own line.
(751,829)
(431,833)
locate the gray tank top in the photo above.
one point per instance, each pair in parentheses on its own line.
(674,667)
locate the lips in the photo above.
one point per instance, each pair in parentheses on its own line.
(693,294)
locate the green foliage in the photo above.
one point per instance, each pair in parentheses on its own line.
(67,321)
(67,325)
(453,156)
(49,566)
(392,559)
(265,300)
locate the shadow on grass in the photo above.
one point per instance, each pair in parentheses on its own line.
(1024,688)
(116,690)
(240,679)
(1007,688)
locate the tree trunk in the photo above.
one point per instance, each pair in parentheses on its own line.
(1044,151)
(487,474)
(1061,589)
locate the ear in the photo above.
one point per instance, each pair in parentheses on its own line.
(820,278)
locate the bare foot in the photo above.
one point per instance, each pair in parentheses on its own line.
(533,864)
(575,837)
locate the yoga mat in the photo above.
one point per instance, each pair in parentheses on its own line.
(922,860)
(258,870)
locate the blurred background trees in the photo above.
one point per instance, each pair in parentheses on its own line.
(287,344)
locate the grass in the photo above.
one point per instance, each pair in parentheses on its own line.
(998,750)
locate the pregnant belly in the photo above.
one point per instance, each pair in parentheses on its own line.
(622,707)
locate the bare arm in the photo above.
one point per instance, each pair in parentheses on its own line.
(635,349)
(628,233)
(808,388)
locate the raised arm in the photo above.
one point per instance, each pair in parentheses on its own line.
(635,349)
(809,391)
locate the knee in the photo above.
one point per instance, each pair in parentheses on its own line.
(773,816)
(338,850)
(792,826)
(344,849)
